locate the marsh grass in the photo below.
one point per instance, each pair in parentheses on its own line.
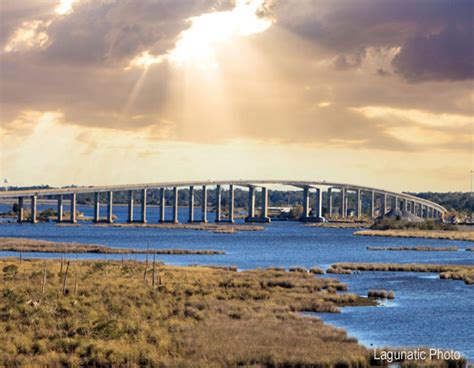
(212,227)
(427,234)
(417,248)
(31,245)
(454,272)
(381,293)
(113,313)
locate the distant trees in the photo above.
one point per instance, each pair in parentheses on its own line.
(453,201)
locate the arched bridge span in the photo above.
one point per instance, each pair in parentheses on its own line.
(380,201)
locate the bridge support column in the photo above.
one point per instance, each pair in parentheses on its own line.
(231,203)
(204,204)
(175,205)
(34,212)
(130,206)
(218,203)
(251,204)
(264,214)
(329,193)
(144,193)
(305,203)
(96,207)
(60,209)
(413,211)
(20,210)
(383,208)
(359,204)
(405,205)
(162,205)
(191,204)
(372,205)
(73,208)
(110,207)
(319,204)
(343,203)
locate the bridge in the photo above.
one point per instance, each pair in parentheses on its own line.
(376,198)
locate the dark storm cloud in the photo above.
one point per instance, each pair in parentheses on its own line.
(436,35)
(446,55)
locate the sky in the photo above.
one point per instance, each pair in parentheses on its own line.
(369,92)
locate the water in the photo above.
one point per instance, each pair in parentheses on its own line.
(427,311)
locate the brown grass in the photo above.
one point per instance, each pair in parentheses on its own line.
(455,272)
(107,314)
(212,227)
(33,245)
(340,225)
(417,248)
(382,293)
(427,234)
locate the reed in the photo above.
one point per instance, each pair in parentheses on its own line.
(455,272)
(381,293)
(191,316)
(31,245)
(417,248)
(427,234)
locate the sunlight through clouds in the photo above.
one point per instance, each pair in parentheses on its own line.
(197,45)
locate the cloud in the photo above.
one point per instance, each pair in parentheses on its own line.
(278,86)
(447,55)
(435,36)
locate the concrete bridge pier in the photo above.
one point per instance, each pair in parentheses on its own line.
(204,204)
(144,193)
(175,205)
(405,205)
(251,205)
(264,214)
(130,206)
(383,210)
(359,204)
(96,207)
(20,210)
(305,204)
(343,194)
(191,205)
(231,203)
(34,212)
(73,208)
(110,207)
(319,204)
(162,205)
(329,193)
(218,203)
(60,209)
(372,205)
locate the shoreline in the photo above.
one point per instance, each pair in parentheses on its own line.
(425,234)
(26,245)
(445,271)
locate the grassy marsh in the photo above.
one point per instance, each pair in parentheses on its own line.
(422,248)
(455,272)
(427,234)
(136,314)
(33,245)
